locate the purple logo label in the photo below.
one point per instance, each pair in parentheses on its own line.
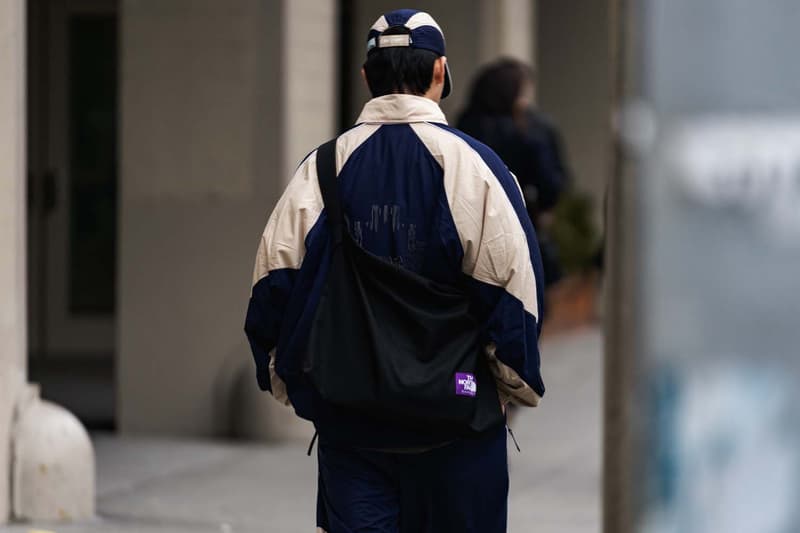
(466,384)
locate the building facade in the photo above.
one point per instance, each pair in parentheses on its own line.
(142,147)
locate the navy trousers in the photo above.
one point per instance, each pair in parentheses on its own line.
(461,487)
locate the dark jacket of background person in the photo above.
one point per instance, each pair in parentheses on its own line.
(500,115)
(533,154)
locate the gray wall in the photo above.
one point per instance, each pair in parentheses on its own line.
(200,171)
(574,62)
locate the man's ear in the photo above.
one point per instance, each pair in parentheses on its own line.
(364,77)
(439,69)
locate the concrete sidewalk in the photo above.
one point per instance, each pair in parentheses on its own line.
(158,486)
(556,480)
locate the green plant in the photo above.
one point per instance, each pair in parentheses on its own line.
(574,233)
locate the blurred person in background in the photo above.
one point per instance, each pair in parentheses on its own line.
(422,203)
(501,114)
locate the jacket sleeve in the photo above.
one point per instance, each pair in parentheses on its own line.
(501,256)
(280,255)
(509,286)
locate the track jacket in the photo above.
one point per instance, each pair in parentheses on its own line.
(422,195)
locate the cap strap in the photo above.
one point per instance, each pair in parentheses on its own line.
(391,41)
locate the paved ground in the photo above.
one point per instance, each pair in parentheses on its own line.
(555,481)
(148,486)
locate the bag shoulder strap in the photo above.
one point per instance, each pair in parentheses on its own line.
(326,175)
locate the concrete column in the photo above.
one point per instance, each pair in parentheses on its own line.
(219,102)
(574,87)
(307,103)
(12,227)
(620,316)
(508,28)
(199,161)
(309,77)
(44,437)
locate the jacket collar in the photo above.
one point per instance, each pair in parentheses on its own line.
(401,108)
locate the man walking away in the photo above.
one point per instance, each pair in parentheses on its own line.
(396,302)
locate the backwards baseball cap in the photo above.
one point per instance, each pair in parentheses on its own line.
(423,33)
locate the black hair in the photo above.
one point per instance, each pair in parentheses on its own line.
(498,85)
(399,69)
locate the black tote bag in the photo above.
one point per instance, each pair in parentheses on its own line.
(391,344)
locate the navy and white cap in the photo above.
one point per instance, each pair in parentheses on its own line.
(423,32)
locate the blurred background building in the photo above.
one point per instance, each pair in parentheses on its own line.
(144,144)
(159,136)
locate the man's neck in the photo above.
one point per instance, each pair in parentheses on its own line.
(433,94)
